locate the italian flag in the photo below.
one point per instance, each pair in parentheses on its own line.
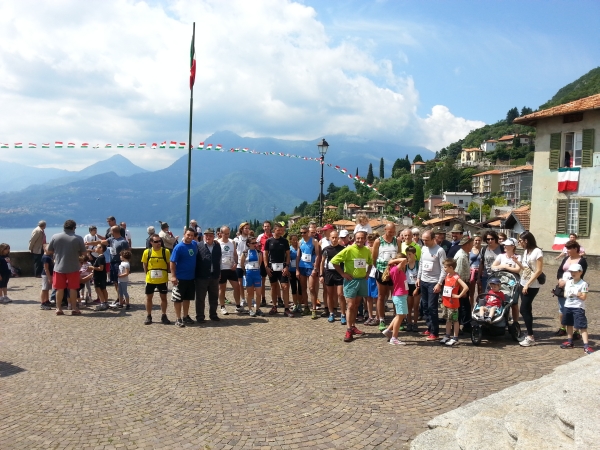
(209,147)
(120,146)
(192,64)
(245,149)
(182,145)
(58,144)
(154,145)
(46,145)
(142,145)
(218,147)
(18,145)
(131,145)
(337,167)
(32,145)
(559,241)
(71,145)
(163,144)
(173,144)
(201,146)
(85,145)
(343,170)
(568,179)
(108,146)
(4,145)
(350,176)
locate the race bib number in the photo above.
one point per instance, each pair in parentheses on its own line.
(113,251)
(277,267)
(155,274)
(252,265)
(330,266)
(427,266)
(306,257)
(360,263)
(293,263)
(447,291)
(388,255)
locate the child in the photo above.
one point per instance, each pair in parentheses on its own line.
(5,272)
(84,271)
(251,261)
(47,271)
(414,296)
(493,301)
(395,271)
(372,292)
(124,271)
(451,301)
(99,269)
(574,311)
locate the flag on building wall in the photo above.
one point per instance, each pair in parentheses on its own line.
(559,241)
(568,179)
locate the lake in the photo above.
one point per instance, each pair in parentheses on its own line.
(18,238)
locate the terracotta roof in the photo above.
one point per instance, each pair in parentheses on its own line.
(583,104)
(491,140)
(352,205)
(495,223)
(376,222)
(331,207)
(519,168)
(489,172)
(418,162)
(439,220)
(475,149)
(507,137)
(343,223)
(524,215)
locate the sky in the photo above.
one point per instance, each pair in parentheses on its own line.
(420,73)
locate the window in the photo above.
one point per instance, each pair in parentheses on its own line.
(573,149)
(460,202)
(573,215)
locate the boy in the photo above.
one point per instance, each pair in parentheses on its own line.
(574,311)
(493,301)
(451,301)
(99,269)
(48,268)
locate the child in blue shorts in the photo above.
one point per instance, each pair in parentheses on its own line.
(576,291)
(395,272)
(251,262)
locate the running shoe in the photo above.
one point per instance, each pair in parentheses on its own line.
(180,323)
(288,313)
(387,333)
(306,311)
(561,332)
(102,307)
(59,313)
(431,338)
(355,331)
(76,313)
(243,303)
(527,342)
(318,304)
(273,311)
(127,306)
(348,337)
(314,315)
(452,342)
(46,306)
(343,319)
(114,305)
(188,320)
(360,319)
(576,335)
(164,320)
(239,309)
(425,333)
(252,313)
(280,302)
(259,312)
(566,344)
(588,350)
(331,318)
(396,341)
(224,310)
(382,325)
(148,320)
(444,339)
(325,313)
(7,299)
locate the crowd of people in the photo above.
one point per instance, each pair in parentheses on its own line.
(356,274)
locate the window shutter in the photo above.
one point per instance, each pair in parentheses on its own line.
(561,216)
(583,227)
(554,160)
(587,148)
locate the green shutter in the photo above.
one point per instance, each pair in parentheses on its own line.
(561,216)
(587,148)
(583,226)
(554,161)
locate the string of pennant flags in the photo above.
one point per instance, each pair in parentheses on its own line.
(207,147)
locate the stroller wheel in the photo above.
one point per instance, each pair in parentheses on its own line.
(476,334)
(515,331)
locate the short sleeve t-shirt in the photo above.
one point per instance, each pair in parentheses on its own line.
(158,267)
(277,248)
(489,257)
(571,291)
(417,247)
(503,258)
(227,254)
(91,242)
(46,259)
(356,260)
(494,298)
(184,257)
(329,253)
(529,266)
(399,279)
(100,263)
(116,246)
(124,267)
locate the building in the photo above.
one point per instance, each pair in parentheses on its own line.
(416,166)
(509,139)
(432,202)
(518,221)
(377,205)
(471,157)
(448,222)
(485,183)
(516,184)
(460,199)
(489,145)
(565,140)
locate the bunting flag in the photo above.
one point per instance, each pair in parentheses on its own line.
(568,179)
(201,146)
(218,147)
(46,145)
(85,145)
(142,145)
(173,144)
(182,145)
(209,147)
(154,145)
(131,145)
(108,146)
(163,144)
(71,145)
(58,144)
(4,146)
(31,145)
(18,145)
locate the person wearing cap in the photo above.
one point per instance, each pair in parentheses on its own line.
(241,245)
(408,242)
(510,262)
(344,238)
(207,276)
(416,234)
(463,269)
(456,232)
(440,238)
(574,311)
(167,237)
(493,300)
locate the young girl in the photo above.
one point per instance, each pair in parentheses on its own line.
(395,272)
(85,270)
(251,262)
(5,272)
(362,224)
(99,269)
(294,280)
(414,294)
(124,271)
(372,292)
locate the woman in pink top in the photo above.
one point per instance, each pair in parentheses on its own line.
(395,272)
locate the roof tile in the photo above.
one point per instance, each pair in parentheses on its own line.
(583,104)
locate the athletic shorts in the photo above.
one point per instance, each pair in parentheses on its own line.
(228,274)
(400,304)
(332,278)
(5,278)
(356,287)
(263,270)
(574,317)
(378,275)
(278,277)
(46,283)
(152,288)
(372,290)
(252,279)
(239,272)
(305,271)
(100,282)
(413,290)
(185,290)
(65,280)
(295,284)
(450,314)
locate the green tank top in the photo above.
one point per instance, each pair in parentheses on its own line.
(387,251)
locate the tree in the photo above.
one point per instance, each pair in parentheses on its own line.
(511,115)
(401,163)
(370,176)
(418,195)
(526,110)
(418,157)
(381,171)
(332,189)
(357,171)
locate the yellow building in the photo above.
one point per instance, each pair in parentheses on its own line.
(485,183)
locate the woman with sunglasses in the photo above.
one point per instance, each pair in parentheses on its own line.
(474,261)
(488,256)
(251,261)
(533,266)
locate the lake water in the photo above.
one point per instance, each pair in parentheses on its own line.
(18,238)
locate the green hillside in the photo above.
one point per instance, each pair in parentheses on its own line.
(587,85)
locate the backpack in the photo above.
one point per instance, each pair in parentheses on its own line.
(164,256)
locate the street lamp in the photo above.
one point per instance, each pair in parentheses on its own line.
(323,146)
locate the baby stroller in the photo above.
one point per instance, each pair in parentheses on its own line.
(499,324)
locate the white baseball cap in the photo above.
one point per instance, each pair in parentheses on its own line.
(575,268)
(344,233)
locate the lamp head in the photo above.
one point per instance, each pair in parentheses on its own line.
(323,146)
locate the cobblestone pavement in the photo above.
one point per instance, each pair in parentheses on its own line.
(106,381)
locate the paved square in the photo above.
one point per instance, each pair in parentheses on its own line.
(106,381)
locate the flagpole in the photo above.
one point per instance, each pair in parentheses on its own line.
(193,56)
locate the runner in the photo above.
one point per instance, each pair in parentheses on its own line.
(324,243)
(116,243)
(332,280)
(384,250)
(261,240)
(229,262)
(408,242)
(308,267)
(241,246)
(251,261)
(277,261)
(357,261)
(183,268)
(294,280)
(156,266)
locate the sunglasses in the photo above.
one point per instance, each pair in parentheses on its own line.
(156,242)
(304,232)
(489,239)
(251,243)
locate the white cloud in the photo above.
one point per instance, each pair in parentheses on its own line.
(117,72)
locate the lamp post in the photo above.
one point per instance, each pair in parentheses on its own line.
(323,146)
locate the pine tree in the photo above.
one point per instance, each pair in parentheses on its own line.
(418,202)
(381,171)
(418,157)
(357,171)
(370,176)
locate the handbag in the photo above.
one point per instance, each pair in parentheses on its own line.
(542,278)
(558,291)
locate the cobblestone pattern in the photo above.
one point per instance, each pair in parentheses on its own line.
(106,381)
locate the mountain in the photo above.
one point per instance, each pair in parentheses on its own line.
(587,85)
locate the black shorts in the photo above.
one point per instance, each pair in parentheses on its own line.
(185,290)
(152,288)
(263,271)
(100,283)
(278,277)
(413,290)
(295,284)
(332,278)
(239,272)
(228,274)
(378,276)
(574,317)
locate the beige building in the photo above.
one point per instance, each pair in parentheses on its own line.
(565,140)
(485,183)
(471,157)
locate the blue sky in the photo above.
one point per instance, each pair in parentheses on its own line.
(420,73)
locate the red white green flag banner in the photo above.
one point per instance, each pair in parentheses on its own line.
(182,145)
(218,147)
(46,145)
(568,179)
(71,145)
(209,147)
(4,146)
(32,145)
(120,146)
(154,145)
(131,145)
(108,146)
(201,146)
(18,145)
(85,145)
(58,144)
(142,145)
(163,144)
(559,241)
(173,144)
